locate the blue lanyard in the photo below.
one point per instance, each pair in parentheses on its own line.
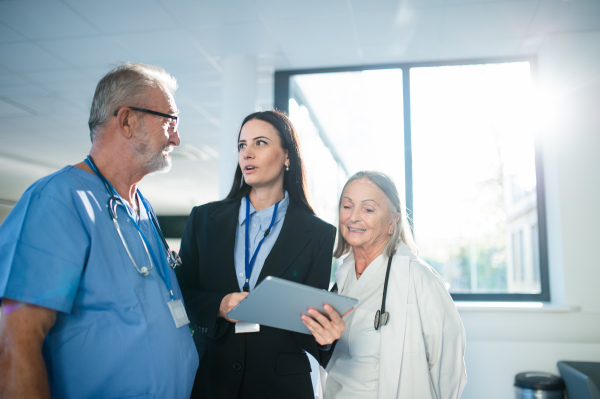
(250,262)
(113,193)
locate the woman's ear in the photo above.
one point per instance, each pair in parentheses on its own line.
(393,223)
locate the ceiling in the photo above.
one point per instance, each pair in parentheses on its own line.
(53,52)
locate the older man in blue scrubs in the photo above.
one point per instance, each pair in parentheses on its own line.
(91,307)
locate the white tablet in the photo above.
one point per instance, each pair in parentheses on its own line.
(279,303)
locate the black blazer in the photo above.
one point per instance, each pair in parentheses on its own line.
(270,363)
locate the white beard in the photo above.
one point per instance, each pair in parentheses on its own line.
(159,162)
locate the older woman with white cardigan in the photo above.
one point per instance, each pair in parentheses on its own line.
(410,344)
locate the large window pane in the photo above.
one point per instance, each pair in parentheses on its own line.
(474,180)
(358,116)
(475,203)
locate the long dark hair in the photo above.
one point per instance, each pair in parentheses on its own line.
(294,180)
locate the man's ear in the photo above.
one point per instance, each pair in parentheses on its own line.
(126,122)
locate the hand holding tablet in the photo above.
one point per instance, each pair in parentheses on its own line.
(280,303)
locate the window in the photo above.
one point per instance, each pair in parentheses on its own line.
(458,140)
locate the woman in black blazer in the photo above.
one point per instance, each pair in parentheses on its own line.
(269,185)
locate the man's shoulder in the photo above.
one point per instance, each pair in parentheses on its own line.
(58,181)
(59,187)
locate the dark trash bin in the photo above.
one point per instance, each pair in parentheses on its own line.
(538,385)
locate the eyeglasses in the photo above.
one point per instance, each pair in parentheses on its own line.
(174,118)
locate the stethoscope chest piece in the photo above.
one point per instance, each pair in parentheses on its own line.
(174,259)
(381,319)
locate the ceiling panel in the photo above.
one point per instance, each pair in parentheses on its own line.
(243,38)
(63,76)
(9,79)
(478,47)
(316,33)
(332,57)
(28,57)
(25,90)
(11,109)
(8,35)
(49,104)
(43,19)
(408,35)
(85,51)
(192,14)
(116,16)
(272,9)
(566,16)
(463,23)
(163,47)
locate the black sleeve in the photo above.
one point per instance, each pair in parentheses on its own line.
(320,271)
(325,353)
(202,306)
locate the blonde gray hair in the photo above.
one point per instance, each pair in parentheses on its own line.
(402,232)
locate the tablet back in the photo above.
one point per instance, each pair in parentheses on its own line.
(278,303)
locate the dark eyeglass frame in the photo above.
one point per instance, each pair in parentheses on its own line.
(148,111)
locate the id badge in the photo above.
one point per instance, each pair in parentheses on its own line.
(245,327)
(178,312)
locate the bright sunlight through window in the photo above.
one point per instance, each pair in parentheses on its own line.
(472,178)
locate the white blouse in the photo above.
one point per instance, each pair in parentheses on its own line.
(354,373)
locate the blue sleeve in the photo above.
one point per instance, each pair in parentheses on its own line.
(44,246)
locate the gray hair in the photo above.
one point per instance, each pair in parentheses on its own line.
(402,232)
(123,85)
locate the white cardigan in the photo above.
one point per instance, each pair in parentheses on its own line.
(423,344)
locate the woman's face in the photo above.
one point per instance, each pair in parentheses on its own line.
(365,219)
(261,157)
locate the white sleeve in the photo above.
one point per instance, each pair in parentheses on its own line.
(443,333)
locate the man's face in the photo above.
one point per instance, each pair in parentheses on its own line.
(156,136)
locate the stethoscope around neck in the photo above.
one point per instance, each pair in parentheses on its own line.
(381,316)
(114,201)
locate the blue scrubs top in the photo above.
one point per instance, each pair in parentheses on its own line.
(114,335)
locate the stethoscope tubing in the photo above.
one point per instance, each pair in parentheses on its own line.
(114,198)
(381,316)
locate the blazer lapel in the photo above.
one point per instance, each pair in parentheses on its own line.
(293,238)
(224,221)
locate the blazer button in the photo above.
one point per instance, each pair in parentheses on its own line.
(237,366)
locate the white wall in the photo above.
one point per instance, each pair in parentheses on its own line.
(4,210)
(501,344)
